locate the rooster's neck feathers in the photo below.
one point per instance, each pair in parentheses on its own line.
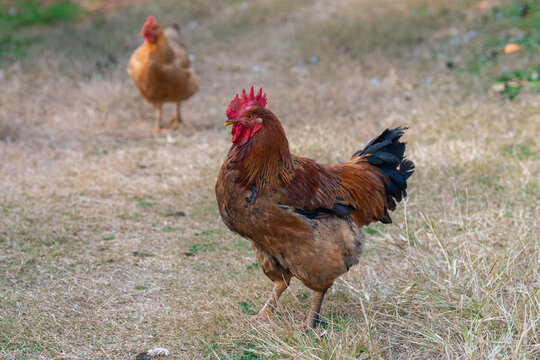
(265,160)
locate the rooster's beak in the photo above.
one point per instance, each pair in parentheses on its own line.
(229,122)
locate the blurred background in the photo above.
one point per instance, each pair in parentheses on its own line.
(110,239)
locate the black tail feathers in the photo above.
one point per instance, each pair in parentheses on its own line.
(387,153)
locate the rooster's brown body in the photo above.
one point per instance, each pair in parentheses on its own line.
(303,218)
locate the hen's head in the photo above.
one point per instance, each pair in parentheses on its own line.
(242,115)
(151,30)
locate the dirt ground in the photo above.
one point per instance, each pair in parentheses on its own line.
(110,239)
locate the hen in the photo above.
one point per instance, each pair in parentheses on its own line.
(304,218)
(160,68)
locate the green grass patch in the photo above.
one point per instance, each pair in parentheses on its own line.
(249,353)
(6,209)
(369,230)
(34,12)
(28,348)
(240,351)
(253,266)
(515,81)
(206,241)
(21,14)
(208,233)
(482,180)
(143,201)
(247,308)
(520,151)
(169,228)
(201,248)
(516,23)
(134,216)
(374,229)
(523,16)
(14,46)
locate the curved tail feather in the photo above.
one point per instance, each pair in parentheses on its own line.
(386,152)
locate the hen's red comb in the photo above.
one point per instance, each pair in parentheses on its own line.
(148,22)
(245,101)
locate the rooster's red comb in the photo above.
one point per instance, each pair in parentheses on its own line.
(245,101)
(148,22)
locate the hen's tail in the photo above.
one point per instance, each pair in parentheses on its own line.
(386,152)
(176,27)
(173,35)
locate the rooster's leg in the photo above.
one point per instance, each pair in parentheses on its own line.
(157,126)
(313,316)
(268,310)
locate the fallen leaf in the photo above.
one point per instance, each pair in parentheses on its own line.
(498,88)
(510,48)
(482,5)
(513,83)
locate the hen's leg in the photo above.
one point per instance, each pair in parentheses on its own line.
(268,310)
(313,316)
(177,119)
(157,126)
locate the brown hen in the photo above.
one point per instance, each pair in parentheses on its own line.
(160,68)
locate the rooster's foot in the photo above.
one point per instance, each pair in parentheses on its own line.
(264,315)
(309,326)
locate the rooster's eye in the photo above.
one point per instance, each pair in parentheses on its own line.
(249,117)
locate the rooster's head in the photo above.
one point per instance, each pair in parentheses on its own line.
(242,115)
(151,30)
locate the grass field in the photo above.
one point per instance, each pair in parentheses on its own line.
(110,238)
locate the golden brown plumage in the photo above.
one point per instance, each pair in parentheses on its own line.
(303,218)
(160,68)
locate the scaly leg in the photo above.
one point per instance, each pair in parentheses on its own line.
(157,127)
(268,310)
(313,316)
(177,120)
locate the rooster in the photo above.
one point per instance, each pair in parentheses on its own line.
(304,218)
(160,68)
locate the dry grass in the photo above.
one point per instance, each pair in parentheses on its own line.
(93,260)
